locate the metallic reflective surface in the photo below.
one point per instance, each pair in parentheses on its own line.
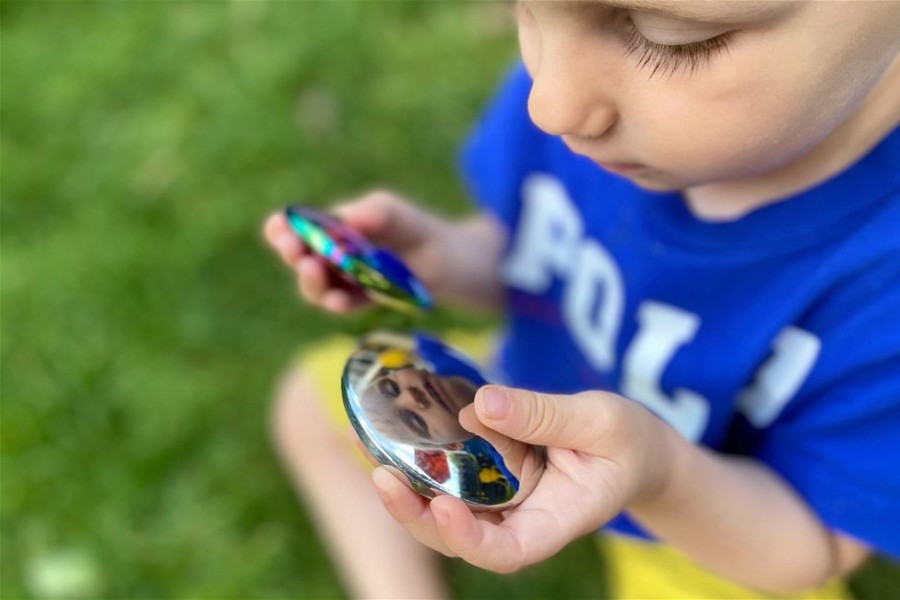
(383,277)
(403,394)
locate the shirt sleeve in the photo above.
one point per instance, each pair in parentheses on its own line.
(838,441)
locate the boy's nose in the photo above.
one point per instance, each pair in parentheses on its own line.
(567,98)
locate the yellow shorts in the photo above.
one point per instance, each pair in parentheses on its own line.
(643,569)
(637,569)
(325,363)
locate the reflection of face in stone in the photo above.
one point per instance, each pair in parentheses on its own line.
(416,406)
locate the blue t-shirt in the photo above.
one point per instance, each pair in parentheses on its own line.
(775,336)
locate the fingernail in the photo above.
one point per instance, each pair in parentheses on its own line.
(496,403)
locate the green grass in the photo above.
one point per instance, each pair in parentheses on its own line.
(143,322)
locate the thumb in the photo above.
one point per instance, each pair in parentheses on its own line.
(576,422)
(385,218)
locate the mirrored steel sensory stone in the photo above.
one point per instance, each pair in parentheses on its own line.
(379,273)
(403,394)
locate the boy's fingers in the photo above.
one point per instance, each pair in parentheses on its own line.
(481,541)
(343,301)
(410,509)
(279,235)
(312,278)
(275,225)
(319,286)
(336,301)
(529,533)
(384,218)
(369,215)
(514,452)
(544,419)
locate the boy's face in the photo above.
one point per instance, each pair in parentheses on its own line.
(424,404)
(674,94)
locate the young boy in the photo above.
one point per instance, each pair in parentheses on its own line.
(691,215)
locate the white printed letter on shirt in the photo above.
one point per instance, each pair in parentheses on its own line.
(663,329)
(794,354)
(593,304)
(548,236)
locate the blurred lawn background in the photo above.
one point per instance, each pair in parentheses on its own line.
(143,322)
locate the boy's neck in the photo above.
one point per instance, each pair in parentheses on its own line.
(876,117)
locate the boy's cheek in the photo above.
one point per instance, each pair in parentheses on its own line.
(700,140)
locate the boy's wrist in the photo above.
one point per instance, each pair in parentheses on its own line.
(444,244)
(466,259)
(670,458)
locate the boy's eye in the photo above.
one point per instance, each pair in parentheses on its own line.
(666,58)
(415,423)
(387,387)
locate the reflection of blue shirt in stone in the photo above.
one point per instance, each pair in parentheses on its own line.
(775,336)
(488,457)
(447,361)
(485,477)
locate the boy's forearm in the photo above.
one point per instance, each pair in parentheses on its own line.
(741,520)
(470,257)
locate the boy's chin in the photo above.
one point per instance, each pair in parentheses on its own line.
(656,181)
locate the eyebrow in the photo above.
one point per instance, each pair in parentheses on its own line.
(704,10)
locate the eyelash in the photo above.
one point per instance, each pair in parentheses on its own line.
(416,424)
(388,388)
(663,59)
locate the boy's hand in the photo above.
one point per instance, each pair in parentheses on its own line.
(383,218)
(603,453)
